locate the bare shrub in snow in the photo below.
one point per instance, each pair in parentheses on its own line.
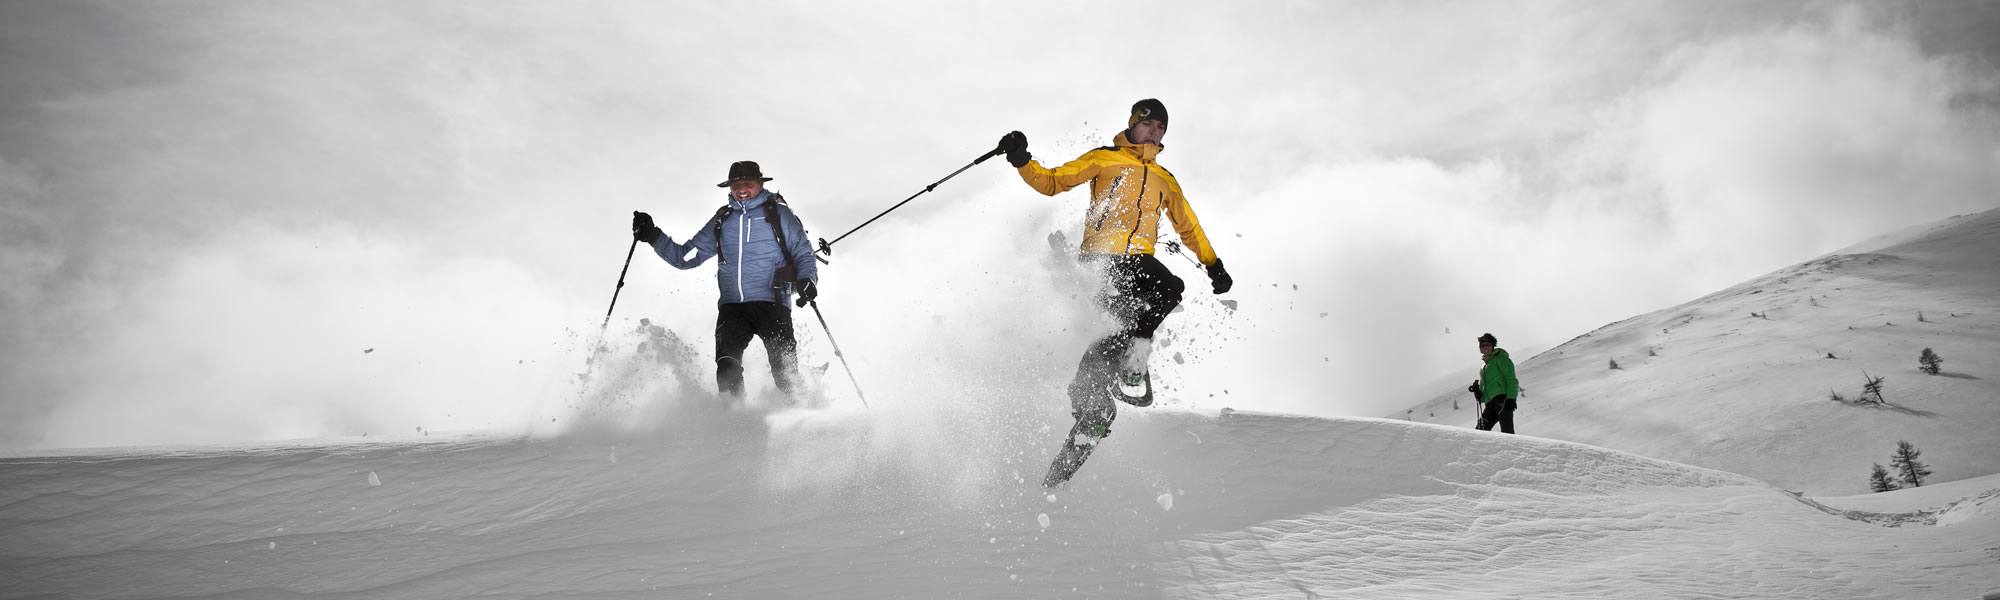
(1872,391)
(1928,362)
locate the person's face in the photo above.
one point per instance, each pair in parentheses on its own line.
(1149,131)
(1485,349)
(745,189)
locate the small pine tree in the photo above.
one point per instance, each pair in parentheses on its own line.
(1879,480)
(1872,391)
(1614,364)
(1909,471)
(1928,362)
(1836,397)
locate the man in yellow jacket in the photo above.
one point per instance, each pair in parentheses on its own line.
(1129,192)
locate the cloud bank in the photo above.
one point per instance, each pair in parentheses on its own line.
(211,219)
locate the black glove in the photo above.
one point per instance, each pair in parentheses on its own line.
(1219,277)
(643,229)
(807,292)
(1474,388)
(1015,144)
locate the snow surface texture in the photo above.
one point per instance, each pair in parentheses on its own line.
(799,504)
(1742,380)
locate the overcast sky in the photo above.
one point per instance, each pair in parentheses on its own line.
(229,221)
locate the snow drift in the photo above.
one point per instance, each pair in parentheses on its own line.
(804,504)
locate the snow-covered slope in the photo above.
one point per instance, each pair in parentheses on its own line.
(852,505)
(1742,380)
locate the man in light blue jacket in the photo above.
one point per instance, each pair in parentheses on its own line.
(763,257)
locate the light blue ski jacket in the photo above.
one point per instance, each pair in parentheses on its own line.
(749,250)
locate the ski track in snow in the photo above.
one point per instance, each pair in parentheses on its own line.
(851,505)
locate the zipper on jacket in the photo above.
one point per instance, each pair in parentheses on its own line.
(742,231)
(1139,205)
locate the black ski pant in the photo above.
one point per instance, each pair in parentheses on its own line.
(1140,292)
(735,324)
(1499,410)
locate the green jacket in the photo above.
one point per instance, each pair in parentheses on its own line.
(1497,377)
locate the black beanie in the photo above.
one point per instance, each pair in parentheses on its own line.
(1147,109)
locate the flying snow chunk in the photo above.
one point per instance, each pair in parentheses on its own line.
(1043,519)
(374,481)
(1166,501)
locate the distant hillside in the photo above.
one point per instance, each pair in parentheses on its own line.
(1742,380)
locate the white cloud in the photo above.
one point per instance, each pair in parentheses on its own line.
(276,333)
(468,174)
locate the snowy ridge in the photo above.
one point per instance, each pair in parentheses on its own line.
(852,505)
(1742,380)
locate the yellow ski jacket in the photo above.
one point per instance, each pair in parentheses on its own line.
(1128,192)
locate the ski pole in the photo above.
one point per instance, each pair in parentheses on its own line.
(621,284)
(826,247)
(836,353)
(1174,247)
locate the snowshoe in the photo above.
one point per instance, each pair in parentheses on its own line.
(1083,438)
(1135,388)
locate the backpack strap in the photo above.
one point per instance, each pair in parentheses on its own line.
(778,228)
(715,224)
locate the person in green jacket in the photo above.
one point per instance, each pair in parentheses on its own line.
(1497,388)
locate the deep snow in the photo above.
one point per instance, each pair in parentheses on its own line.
(846,505)
(640,488)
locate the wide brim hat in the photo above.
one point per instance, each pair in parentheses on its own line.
(743,169)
